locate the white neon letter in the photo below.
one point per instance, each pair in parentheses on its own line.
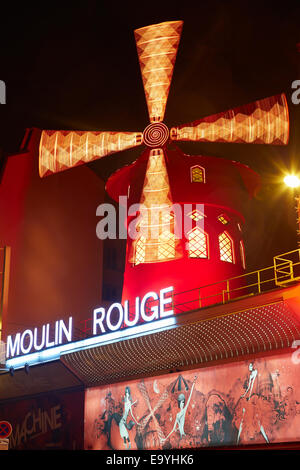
(163,302)
(49,343)
(13,348)
(98,321)
(137,312)
(67,332)
(154,308)
(30,334)
(120,321)
(36,346)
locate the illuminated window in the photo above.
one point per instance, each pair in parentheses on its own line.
(197,174)
(196,215)
(226,248)
(242,252)
(198,244)
(140,250)
(224,219)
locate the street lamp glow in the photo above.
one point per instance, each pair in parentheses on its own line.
(292,181)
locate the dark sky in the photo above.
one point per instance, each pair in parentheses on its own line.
(74,66)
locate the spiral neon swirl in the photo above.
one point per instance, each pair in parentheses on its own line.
(156,135)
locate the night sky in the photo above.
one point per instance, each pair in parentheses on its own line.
(75,66)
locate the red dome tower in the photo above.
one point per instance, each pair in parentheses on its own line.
(189,229)
(200,241)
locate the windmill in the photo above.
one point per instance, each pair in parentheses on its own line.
(163,175)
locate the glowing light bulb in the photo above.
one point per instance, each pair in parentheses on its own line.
(292,181)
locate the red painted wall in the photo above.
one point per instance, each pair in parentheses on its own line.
(50,225)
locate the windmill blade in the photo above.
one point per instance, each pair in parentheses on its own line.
(262,122)
(60,150)
(157,47)
(152,411)
(157,239)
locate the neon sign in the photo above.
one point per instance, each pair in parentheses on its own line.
(114,321)
(39,338)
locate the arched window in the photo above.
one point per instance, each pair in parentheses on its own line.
(226,248)
(197,174)
(242,253)
(166,246)
(198,243)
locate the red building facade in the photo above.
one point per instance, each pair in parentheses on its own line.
(221,367)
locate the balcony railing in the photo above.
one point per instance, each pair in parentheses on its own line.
(284,272)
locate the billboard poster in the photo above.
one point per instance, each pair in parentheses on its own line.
(48,422)
(251,402)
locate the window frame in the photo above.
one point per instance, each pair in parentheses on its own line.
(192,168)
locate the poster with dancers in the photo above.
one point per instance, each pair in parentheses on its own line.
(250,402)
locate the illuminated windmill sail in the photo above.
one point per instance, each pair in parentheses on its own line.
(262,122)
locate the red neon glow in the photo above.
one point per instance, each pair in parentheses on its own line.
(242,252)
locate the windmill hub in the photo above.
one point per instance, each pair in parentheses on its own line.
(156,135)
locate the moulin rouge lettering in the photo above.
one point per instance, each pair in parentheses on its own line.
(152,306)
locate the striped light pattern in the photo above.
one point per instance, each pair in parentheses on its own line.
(157,49)
(156,241)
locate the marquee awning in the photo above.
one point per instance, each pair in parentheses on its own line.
(259,324)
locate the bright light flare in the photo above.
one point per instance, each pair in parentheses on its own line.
(292,181)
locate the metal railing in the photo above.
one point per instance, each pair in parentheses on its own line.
(286,267)
(285,270)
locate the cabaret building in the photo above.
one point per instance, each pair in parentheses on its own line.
(163,339)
